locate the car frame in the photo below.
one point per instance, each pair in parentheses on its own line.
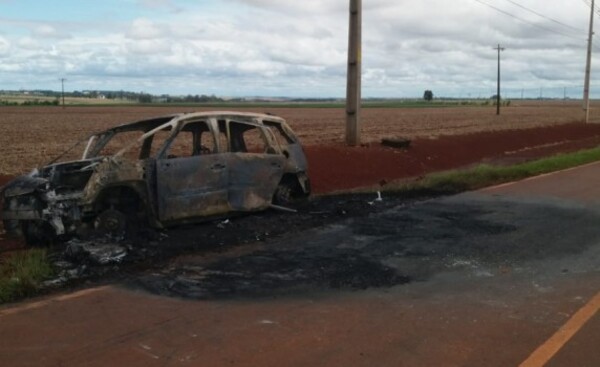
(178,168)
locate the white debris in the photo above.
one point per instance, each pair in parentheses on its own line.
(100,253)
(223,224)
(377,199)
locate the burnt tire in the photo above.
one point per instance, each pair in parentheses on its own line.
(284,195)
(38,233)
(113,223)
(12,227)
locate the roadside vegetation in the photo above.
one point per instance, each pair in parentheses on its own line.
(30,102)
(22,273)
(484,175)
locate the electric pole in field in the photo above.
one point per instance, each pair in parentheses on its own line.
(62,83)
(498,91)
(353,88)
(588,67)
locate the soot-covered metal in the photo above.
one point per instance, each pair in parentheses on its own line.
(158,172)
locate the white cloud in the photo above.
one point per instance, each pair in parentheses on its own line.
(48,31)
(155,3)
(4,46)
(299,48)
(146,29)
(160,4)
(311,6)
(149,46)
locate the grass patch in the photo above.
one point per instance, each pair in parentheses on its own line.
(22,272)
(455,181)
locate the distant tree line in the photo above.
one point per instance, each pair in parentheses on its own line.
(31,102)
(193,99)
(140,97)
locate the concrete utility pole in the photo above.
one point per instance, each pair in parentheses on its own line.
(62,82)
(353,88)
(498,91)
(588,67)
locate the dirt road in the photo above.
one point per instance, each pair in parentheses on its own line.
(484,278)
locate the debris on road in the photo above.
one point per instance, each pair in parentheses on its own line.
(223,224)
(396,142)
(96,251)
(283,209)
(377,199)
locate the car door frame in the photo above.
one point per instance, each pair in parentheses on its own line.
(253,177)
(191,187)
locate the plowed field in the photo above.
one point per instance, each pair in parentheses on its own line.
(31,136)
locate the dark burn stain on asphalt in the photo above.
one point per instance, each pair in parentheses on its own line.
(268,273)
(307,264)
(391,246)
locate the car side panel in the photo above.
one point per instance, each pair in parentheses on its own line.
(191,187)
(253,179)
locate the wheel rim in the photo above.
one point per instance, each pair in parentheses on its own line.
(283,194)
(111,222)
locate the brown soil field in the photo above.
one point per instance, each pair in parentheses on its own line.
(31,136)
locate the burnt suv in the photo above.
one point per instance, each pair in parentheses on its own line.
(160,172)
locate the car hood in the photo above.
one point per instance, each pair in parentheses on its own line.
(23,185)
(48,177)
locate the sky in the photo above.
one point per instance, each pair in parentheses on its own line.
(235,48)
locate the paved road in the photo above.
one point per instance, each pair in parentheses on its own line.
(501,277)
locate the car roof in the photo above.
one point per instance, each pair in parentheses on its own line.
(152,123)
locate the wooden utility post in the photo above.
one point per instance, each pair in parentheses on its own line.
(353,89)
(588,67)
(62,83)
(498,92)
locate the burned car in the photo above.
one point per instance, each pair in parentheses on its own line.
(160,172)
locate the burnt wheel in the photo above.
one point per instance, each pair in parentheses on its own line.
(111,222)
(284,195)
(12,227)
(37,233)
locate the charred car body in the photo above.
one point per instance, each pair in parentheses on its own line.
(161,171)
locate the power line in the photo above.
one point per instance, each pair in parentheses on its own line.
(545,17)
(589,5)
(528,22)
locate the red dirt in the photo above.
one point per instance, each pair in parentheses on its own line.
(336,167)
(4,179)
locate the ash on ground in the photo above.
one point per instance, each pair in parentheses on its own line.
(106,258)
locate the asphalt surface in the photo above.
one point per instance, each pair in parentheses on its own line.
(500,277)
